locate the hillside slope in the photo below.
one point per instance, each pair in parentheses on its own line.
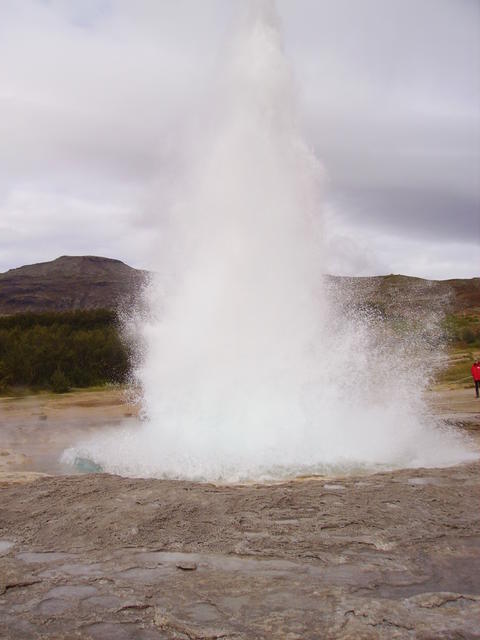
(394,293)
(69,283)
(92,282)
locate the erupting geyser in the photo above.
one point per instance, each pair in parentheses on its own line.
(249,369)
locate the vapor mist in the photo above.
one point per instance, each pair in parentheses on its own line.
(251,368)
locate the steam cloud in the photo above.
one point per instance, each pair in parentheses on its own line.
(252,367)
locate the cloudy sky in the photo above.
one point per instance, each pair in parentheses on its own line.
(97,97)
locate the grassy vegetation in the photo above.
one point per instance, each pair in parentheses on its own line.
(463,330)
(463,335)
(58,351)
(457,372)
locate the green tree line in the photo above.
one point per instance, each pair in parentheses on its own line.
(463,330)
(61,350)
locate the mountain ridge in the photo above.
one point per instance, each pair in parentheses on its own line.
(93,282)
(70,283)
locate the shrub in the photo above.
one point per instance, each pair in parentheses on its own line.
(59,382)
(468,336)
(79,349)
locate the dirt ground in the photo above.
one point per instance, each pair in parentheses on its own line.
(390,555)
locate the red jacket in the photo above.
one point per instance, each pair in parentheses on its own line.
(475,371)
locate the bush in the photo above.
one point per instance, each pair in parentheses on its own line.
(59,382)
(462,330)
(468,336)
(68,349)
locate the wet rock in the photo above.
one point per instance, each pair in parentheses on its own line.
(53,606)
(186,566)
(382,558)
(5,546)
(72,591)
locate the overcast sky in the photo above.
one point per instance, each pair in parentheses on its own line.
(96,97)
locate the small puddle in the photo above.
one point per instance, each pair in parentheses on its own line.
(72,591)
(5,546)
(102,602)
(94,569)
(147,575)
(53,606)
(46,556)
(247,566)
(84,465)
(219,562)
(202,612)
(439,482)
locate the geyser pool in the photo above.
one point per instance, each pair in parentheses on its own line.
(250,369)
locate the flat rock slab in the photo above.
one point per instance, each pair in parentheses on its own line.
(391,555)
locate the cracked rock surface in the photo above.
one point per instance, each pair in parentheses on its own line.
(391,555)
(99,557)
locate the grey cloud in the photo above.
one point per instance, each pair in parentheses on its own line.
(99,100)
(424,214)
(391,97)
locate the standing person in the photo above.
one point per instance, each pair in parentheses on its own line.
(475,370)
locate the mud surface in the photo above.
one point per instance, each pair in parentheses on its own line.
(34,430)
(390,555)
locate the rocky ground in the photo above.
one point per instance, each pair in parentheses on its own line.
(390,555)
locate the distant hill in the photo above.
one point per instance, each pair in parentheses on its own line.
(69,283)
(398,294)
(92,282)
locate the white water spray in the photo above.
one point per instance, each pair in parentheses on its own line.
(250,370)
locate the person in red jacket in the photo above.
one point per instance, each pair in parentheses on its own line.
(476,376)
